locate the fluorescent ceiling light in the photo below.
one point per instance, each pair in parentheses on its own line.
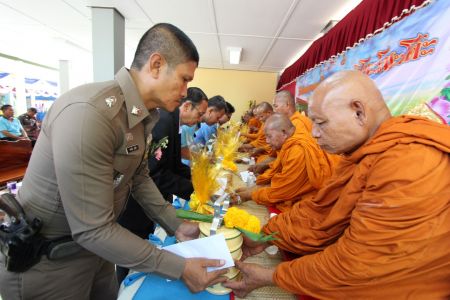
(235,55)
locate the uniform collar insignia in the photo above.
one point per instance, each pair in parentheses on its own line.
(110,101)
(136,111)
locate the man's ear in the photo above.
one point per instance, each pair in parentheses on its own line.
(359,111)
(187,106)
(156,61)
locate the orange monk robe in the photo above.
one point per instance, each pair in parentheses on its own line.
(253,136)
(379,229)
(260,142)
(254,123)
(301,122)
(300,169)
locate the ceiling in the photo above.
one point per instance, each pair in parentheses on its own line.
(272,33)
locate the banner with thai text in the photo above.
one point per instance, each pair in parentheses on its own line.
(409,61)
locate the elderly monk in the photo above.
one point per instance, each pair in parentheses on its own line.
(253,123)
(299,169)
(284,103)
(259,148)
(380,228)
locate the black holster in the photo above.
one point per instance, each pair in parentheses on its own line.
(22,244)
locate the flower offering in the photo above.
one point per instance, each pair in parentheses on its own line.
(204,180)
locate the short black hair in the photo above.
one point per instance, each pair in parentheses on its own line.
(230,108)
(5,107)
(168,40)
(32,109)
(194,95)
(218,102)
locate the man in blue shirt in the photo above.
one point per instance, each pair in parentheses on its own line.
(216,109)
(10,127)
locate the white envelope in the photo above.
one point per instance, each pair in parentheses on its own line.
(213,247)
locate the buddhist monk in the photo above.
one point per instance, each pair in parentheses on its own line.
(380,228)
(284,103)
(253,123)
(300,168)
(259,148)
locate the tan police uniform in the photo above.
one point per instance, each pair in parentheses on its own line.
(89,157)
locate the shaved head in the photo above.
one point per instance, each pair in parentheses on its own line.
(278,122)
(278,129)
(265,107)
(263,111)
(346,109)
(284,103)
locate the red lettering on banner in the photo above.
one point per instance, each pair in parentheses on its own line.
(415,48)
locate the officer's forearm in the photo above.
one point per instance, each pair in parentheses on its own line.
(116,244)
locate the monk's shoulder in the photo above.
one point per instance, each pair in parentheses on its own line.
(406,163)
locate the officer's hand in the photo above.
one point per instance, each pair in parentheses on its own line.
(197,278)
(187,231)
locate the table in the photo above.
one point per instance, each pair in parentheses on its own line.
(261,212)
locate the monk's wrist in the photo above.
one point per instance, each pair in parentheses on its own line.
(267,276)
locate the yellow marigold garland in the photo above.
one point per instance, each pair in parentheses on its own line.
(236,217)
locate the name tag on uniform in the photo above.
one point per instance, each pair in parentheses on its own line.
(132,148)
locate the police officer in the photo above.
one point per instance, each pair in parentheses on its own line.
(91,154)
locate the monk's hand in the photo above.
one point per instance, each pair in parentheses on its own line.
(257,151)
(253,277)
(245,193)
(195,274)
(250,247)
(245,148)
(187,231)
(258,168)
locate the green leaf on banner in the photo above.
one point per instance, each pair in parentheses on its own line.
(446,93)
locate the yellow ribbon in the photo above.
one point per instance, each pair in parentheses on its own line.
(199,206)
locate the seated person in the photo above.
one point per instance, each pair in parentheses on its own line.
(168,173)
(30,124)
(217,108)
(253,123)
(379,228)
(258,147)
(300,168)
(284,103)
(207,132)
(10,127)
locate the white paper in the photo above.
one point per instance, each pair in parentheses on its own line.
(213,247)
(244,175)
(245,160)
